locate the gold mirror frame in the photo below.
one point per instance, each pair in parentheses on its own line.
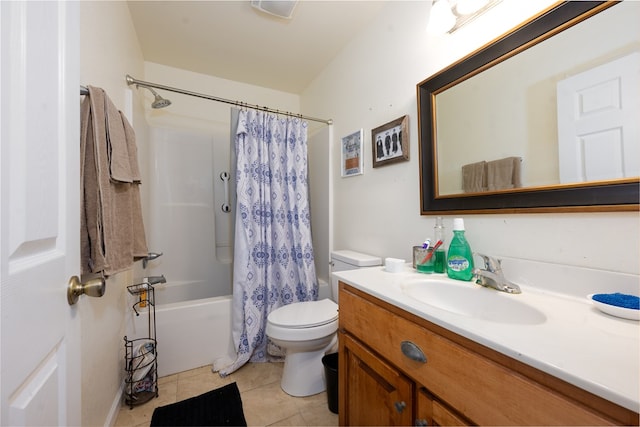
(617,195)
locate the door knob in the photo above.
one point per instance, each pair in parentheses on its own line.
(92,288)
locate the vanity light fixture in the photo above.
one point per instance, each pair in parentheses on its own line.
(449,15)
(280,8)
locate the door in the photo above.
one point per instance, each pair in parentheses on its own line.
(430,412)
(598,127)
(372,392)
(39,212)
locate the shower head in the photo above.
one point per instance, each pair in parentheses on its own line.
(158,102)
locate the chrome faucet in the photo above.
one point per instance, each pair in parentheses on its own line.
(493,277)
(154,280)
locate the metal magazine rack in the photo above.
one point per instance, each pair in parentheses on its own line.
(141,363)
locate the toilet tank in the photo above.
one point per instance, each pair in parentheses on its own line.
(349,260)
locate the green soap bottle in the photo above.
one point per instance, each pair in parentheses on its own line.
(459,257)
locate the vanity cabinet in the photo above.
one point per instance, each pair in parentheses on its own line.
(377,393)
(448,379)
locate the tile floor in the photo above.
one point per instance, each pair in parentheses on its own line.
(263,401)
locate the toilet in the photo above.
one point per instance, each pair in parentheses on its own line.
(306,331)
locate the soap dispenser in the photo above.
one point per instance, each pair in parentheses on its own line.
(459,257)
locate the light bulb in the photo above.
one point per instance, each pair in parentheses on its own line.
(467,7)
(441,18)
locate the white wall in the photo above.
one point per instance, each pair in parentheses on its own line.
(108,51)
(373,81)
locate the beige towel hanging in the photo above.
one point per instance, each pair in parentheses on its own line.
(503,174)
(139,245)
(474,177)
(112,234)
(117,149)
(132,149)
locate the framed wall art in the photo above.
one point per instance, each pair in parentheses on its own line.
(391,142)
(352,155)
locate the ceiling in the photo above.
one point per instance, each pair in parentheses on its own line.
(232,40)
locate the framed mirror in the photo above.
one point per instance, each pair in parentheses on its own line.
(500,130)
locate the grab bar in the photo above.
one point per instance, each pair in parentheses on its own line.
(224,176)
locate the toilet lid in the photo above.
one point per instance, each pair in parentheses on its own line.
(305,314)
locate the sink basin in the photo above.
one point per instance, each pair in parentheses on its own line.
(471,300)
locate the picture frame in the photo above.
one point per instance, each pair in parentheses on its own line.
(352,160)
(390,142)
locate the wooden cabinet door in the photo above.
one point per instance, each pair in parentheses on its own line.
(431,412)
(371,391)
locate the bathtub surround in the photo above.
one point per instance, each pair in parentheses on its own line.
(184,218)
(273,252)
(112,230)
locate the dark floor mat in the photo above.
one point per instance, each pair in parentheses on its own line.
(220,407)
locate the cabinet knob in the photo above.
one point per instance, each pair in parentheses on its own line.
(412,351)
(400,406)
(421,422)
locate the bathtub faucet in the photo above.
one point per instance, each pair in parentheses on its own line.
(154,280)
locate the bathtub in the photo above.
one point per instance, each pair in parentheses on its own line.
(180,291)
(190,334)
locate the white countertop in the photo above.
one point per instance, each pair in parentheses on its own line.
(577,343)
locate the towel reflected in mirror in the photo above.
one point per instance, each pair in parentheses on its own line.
(492,175)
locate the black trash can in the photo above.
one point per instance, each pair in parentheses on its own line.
(330,362)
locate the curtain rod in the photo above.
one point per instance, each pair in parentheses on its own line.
(132,81)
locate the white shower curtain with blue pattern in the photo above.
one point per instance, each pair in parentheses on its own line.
(273,252)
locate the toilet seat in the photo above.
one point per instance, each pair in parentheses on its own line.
(303,321)
(302,315)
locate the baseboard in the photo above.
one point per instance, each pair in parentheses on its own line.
(116,405)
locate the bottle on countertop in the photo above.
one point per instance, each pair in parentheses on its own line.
(440,255)
(459,257)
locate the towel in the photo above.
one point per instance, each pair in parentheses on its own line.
(117,147)
(93,256)
(503,174)
(112,234)
(132,150)
(474,177)
(139,244)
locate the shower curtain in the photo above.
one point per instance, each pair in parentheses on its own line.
(273,252)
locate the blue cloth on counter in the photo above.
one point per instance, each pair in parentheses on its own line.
(619,300)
